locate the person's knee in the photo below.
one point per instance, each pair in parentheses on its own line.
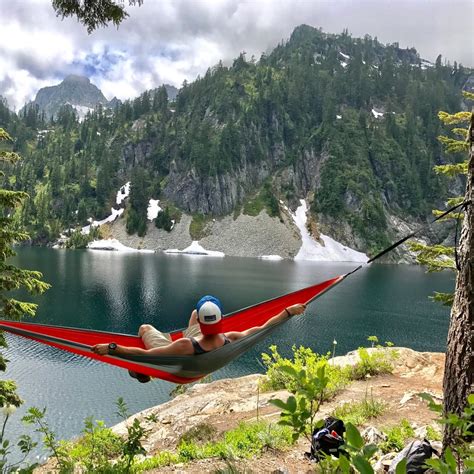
(144,328)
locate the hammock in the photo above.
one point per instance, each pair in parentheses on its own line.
(177,369)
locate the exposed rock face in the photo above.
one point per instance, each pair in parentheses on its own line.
(73,90)
(219,195)
(340,231)
(408,363)
(216,195)
(136,154)
(200,404)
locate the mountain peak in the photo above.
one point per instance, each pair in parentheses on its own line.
(78,91)
(76,79)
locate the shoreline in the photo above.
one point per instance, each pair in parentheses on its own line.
(259,236)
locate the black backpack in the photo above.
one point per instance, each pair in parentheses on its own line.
(416,453)
(327,440)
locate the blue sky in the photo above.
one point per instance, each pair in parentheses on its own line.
(169,41)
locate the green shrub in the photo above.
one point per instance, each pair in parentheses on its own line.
(202,432)
(78,240)
(397,436)
(95,448)
(379,360)
(254,206)
(247,440)
(163,220)
(433,434)
(358,413)
(198,227)
(188,451)
(303,357)
(459,454)
(253,438)
(165,458)
(265,199)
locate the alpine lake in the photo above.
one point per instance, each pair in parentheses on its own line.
(115,291)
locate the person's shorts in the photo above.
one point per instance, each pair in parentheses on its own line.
(154,338)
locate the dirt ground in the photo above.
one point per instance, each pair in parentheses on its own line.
(398,391)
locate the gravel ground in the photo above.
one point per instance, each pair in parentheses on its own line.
(245,236)
(155,239)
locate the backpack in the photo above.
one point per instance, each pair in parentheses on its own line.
(416,453)
(327,440)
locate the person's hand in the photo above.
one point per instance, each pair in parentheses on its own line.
(101,349)
(296,309)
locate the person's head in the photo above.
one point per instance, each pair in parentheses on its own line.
(209,310)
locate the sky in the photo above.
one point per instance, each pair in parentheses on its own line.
(169,41)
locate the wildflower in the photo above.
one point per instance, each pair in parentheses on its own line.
(8,410)
(334,342)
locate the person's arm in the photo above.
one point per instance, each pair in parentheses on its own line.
(286,313)
(193,320)
(180,347)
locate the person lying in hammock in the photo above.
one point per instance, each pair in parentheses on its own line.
(204,334)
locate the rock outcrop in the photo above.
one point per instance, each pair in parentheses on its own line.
(225,403)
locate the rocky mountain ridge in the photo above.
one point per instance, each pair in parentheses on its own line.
(78,92)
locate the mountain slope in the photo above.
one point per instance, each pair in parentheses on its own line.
(348,123)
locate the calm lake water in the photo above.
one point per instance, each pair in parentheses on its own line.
(117,292)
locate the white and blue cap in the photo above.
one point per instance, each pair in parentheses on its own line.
(209,311)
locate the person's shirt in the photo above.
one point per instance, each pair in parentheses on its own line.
(198,348)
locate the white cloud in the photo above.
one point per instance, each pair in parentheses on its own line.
(172,40)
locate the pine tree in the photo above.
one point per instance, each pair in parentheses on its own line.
(440,257)
(94,13)
(11,277)
(459,366)
(458,380)
(138,202)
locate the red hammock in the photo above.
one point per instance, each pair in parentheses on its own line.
(177,369)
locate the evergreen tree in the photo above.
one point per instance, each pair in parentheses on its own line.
(11,277)
(163,220)
(440,257)
(160,100)
(94,13)
(459,366)
(138,202)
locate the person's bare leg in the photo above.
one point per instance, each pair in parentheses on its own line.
(142,378)
(143,329)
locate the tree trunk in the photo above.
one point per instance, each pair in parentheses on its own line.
(458,380)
